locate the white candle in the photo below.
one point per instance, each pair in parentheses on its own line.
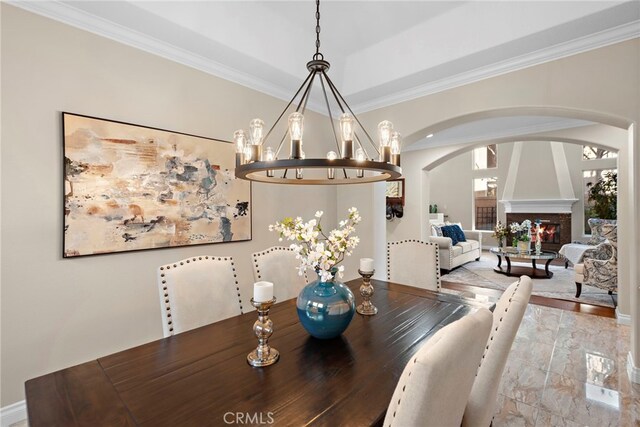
(366,265)
(262,291)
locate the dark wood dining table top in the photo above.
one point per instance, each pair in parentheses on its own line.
(196,377)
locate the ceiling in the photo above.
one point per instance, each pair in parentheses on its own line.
(382,52)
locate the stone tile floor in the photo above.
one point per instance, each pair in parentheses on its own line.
(568,369)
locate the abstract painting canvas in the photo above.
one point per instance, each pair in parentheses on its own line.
(129,187)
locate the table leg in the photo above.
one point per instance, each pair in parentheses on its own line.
(508,265)
(566,263)
(546,267)
(533,263)
(499,261)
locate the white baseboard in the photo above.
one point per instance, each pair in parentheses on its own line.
(14,413)
(632,370)
(623,319)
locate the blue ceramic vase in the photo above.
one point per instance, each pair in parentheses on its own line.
(325,309)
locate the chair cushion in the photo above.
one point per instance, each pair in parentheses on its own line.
(456,251)
(468,246)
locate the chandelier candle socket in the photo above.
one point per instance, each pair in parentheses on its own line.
(366,290)
(345,168)
(263,355)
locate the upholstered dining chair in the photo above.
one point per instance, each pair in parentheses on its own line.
(279,266)
(197,291)
(414,263)
(506,321)
(434,386)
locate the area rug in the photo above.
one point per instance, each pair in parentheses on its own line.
(560,286)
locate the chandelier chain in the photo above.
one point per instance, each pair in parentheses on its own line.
(318,55)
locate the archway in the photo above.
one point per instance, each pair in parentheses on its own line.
(626,200)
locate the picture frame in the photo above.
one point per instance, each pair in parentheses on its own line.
(395,192)
(129,187)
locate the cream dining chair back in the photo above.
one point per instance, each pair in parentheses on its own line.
(507,317)
(414,263)
(434,386)
(279,266)
(197,291)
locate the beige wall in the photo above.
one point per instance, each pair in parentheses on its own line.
(59,312)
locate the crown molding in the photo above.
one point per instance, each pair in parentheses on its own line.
(67,14)
(70,15)
(604,38)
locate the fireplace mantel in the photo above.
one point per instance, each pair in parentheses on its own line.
(538,205)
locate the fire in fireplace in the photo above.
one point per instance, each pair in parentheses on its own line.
(550,233)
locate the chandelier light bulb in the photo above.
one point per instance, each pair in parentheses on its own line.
(269,155)
(332,155)
(360,155)
(240,138)
(296,122)
(385,128)
(396,143)
(247,154)
(347,128)
(256,129)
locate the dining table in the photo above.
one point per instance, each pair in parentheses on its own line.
(201,377)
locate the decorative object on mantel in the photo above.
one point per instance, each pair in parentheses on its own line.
(325,306)
(366,308)
(255,163)
(130,187)
(500,233)
(262,300)
(538,237)
(521,235)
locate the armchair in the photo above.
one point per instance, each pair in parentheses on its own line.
(599,267)
(452,256)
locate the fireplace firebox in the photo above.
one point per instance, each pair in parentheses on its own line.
(556,227)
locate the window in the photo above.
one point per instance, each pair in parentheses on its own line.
(485,157)
(593,153)
(590,177)
(485,203)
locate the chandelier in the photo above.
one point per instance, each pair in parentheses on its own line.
(351,163)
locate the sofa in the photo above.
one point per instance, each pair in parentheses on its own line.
(452,256)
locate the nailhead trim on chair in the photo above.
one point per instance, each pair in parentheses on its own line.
(438,284)
(200,258)
(272,249)
(499,323)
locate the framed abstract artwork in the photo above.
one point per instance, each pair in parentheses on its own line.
(129,187)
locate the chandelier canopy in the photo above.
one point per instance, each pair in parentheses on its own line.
(351,163)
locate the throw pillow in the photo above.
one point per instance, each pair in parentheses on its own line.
(459,233)
(436,231)
(449,231)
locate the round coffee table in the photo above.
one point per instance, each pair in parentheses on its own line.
(535,273)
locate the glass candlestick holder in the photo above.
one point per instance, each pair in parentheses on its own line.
(366,290)
(263,355)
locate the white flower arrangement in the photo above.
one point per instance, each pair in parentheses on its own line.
(315,249)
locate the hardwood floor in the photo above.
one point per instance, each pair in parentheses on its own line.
(538,300)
